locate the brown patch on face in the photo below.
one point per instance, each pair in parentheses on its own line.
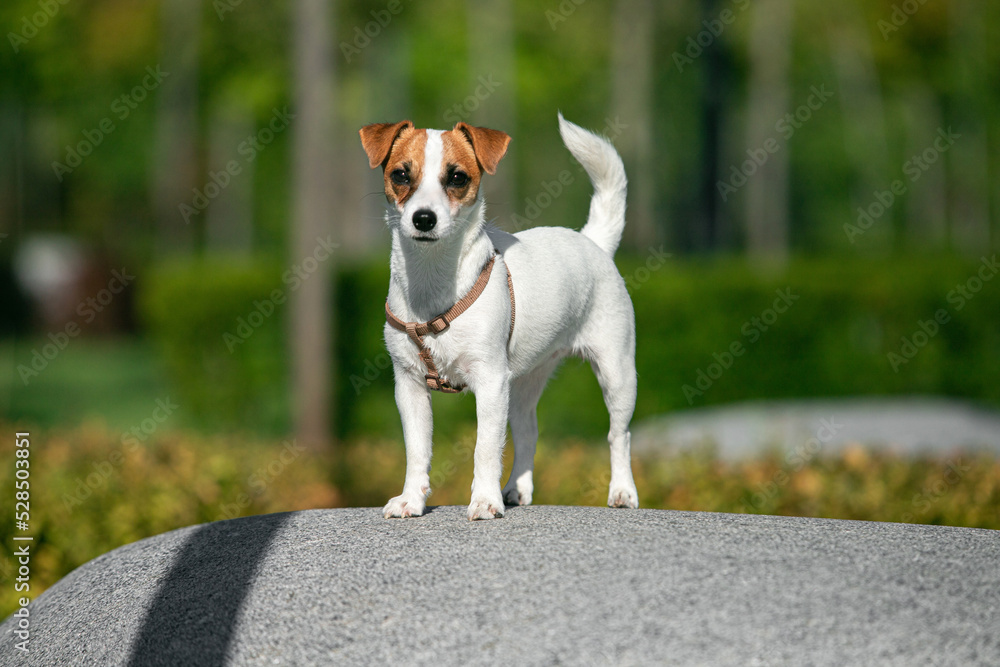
(460,173)
(404,166)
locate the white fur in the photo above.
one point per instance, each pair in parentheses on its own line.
(570,300)
(607,207)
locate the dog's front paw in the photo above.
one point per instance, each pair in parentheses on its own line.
(485,508)
(623,496)
(403,507)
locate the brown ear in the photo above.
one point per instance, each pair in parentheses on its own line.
(378,138)
(488,145)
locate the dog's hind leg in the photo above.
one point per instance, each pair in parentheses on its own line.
(524,394)
(615,370)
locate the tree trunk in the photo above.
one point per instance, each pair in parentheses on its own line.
(13,129)
(229,220)
(769,95)
(388,98)
(967,162)
(863,109)
(703,232)
(175,161)
(490,96)
(632,60)
(313,220)
(926,219)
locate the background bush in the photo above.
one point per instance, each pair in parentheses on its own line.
(224,370)
(833,340)
(14,303)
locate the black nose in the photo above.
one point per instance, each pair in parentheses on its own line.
(424,219)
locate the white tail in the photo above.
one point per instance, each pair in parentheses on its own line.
(607,173)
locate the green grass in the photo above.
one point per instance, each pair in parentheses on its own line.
(114,381)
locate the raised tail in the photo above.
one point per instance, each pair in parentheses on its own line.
(607,173)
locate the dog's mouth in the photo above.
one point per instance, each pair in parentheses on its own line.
(424,239)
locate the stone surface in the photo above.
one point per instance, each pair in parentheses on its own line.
(542,586)
(905,425)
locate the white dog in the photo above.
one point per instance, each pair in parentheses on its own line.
(526,301)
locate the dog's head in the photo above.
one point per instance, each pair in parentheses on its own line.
(431,176)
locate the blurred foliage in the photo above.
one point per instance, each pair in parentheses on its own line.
(893,90)
(227,359)
(116,380)
(842,320)
(834,339)
(220,330)
(92,491)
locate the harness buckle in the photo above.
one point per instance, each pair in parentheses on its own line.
(438,324)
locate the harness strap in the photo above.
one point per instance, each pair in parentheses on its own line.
(417,330)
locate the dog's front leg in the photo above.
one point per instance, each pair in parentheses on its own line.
(413,399)
(492,395)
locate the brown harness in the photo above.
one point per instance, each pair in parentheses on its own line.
(417,330)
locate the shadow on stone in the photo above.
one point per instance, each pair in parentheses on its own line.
(192,619)
(544,585)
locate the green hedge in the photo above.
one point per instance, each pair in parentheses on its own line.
(840,322)
(221,336)
(833,340)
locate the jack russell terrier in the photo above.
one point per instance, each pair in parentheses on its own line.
(527,300)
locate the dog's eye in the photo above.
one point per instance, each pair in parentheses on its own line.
(399,177)
(458,179)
